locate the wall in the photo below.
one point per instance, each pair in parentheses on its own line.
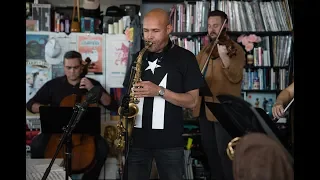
(103,3)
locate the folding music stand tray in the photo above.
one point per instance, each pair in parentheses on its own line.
(53,119)
(248,118)
(242,118)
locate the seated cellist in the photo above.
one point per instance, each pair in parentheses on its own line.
(54,91)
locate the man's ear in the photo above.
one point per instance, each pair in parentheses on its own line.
(169,29)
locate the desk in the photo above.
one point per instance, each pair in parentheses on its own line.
(35,169)
(31,162)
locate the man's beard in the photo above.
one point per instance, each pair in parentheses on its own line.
(216,35)
(211,39)
(158,46)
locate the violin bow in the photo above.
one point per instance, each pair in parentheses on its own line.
(285,109)
(214,44)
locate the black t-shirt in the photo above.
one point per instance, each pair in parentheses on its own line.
(161,124)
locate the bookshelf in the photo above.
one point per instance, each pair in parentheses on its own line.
(271,21)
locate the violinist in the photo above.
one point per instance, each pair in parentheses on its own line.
(54,91)
(285,97)
(283,100)
(223,75)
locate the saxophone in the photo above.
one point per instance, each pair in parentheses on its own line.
(133,109)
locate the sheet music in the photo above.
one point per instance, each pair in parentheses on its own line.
(35,172)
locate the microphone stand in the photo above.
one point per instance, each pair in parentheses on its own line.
(66,140)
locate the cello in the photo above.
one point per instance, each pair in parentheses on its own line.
(83,145)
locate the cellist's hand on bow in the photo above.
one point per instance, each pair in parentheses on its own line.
(223,53)
(85,83)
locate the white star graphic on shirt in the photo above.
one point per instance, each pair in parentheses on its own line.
(152,66)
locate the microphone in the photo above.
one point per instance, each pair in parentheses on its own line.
(93,96)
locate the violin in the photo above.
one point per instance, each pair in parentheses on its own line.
(83,145)
(221,39)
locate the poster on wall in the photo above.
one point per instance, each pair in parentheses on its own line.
(35,46)
(59,45)
(38,71)
(117,94)
(92,47)
(117,50)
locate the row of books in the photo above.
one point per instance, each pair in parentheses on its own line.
(257,15)
(187,17)
(281,47)
(243,15)
(192,44)
(265,79)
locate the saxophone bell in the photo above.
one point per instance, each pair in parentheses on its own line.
(231,147)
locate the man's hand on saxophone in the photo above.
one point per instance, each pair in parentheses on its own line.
(145,89)
(149,89)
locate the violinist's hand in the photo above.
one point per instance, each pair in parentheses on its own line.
(277,110)
(222,50)
(85,83)
(146,89)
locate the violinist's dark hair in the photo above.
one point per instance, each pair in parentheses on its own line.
(222,14)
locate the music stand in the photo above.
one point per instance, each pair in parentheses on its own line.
(239,117)
(58,119)
(53,119)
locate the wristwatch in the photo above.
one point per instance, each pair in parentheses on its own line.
(161,91)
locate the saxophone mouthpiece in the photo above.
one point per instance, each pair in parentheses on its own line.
(148,43)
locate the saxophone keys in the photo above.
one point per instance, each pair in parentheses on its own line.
(136,101)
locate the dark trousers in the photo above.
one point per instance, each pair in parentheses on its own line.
(169,162)
(40,142)
(215,140)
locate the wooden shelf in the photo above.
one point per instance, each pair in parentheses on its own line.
(261,91)
(265,67)
(188,34)
(234,33)
(169,1)
(261,33)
